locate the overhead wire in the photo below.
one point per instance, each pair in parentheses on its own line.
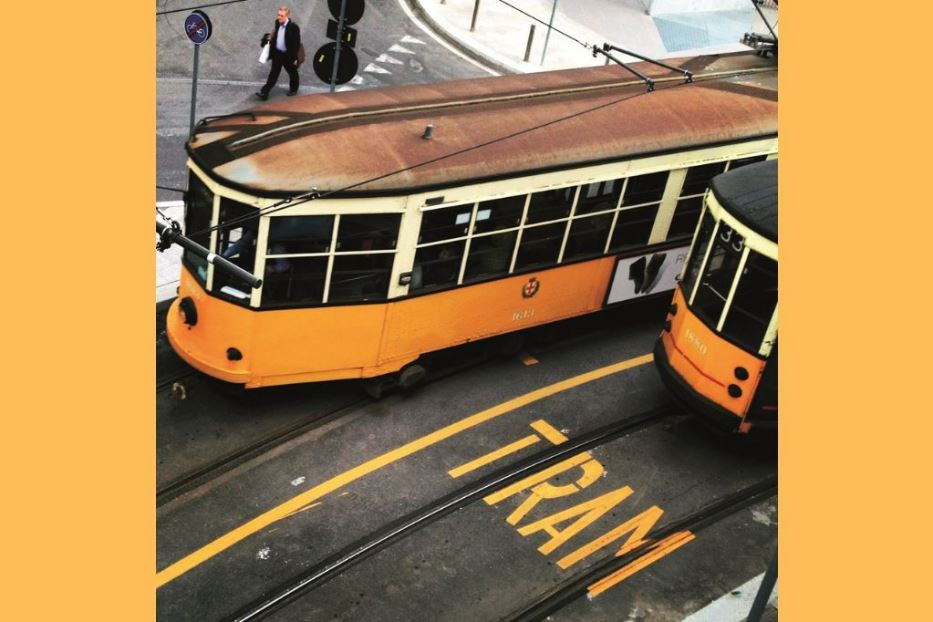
(199,6)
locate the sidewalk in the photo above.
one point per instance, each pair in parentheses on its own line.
(503,27)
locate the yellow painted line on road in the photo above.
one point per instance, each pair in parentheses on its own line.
(549,432)
(527,359)
(298,502)
(659,550)
(492,456)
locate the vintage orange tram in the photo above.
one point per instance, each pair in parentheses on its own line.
(530,199)
(718,351)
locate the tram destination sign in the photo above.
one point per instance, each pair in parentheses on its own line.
(198,27)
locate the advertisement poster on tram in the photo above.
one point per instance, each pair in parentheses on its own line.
(642,275)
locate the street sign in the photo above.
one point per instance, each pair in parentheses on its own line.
(198,27)
(349,34)
(324,63)
(353,13)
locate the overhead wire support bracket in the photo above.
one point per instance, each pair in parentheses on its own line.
(688,76)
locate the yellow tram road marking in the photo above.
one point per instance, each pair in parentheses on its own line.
(492,456)
(337,482)
(549,432)
(656,552)
(527,359)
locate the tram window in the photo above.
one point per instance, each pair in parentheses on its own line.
(698,177)
(540,246)
(698,254)
(360,277)
(368,232)
(714,285)
(437,266)
(199,207)
(505,213)
(753,303)
(645,188)
(490,255)
(633,227)
(734,164)
(686,215)
(300,234)
(445,224)
(550,205)
(300,280)
(599,196)
(236,242)
(588,236)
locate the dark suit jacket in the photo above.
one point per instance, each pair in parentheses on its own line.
(292,39)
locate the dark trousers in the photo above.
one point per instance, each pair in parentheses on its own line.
(279,60)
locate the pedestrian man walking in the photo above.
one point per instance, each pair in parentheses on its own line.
(286,40)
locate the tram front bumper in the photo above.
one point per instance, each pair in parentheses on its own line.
(695,403)
(215,365)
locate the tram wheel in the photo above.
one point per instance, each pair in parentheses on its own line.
(411,376)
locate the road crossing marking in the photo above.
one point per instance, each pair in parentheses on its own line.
(399,49)
(374,68)
(385,58)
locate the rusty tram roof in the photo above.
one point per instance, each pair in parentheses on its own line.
(553,120)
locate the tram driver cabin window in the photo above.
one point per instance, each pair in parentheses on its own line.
(236,242)
(199,207)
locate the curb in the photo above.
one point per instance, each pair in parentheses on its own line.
(474,53)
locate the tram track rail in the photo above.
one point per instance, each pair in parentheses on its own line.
(287,592)
(578,585)
(201,475)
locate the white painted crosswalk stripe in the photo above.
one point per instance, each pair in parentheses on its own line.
(374,68)
(385,58)
(408,39)
(400,50)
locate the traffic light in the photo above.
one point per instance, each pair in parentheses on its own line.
(345,12)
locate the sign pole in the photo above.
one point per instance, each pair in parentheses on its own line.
(340,22)
(198,30)
(194,89)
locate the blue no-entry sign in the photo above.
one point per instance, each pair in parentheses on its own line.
(198,27)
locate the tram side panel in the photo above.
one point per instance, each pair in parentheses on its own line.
(436,321)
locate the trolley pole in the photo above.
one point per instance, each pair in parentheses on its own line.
(194,89)
(171,234)
(340,23)
(547,36)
